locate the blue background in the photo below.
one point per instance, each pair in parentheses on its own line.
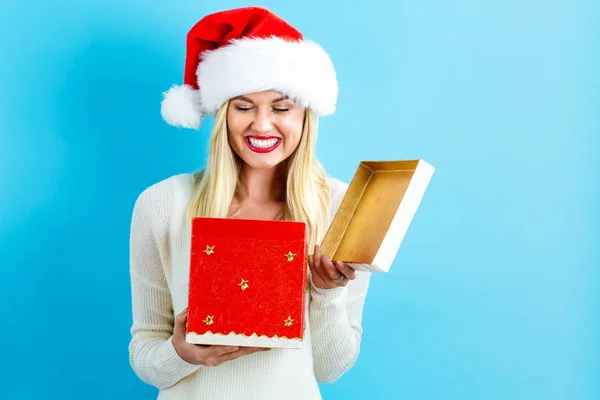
(495,293)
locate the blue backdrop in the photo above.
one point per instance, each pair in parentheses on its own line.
(495,293)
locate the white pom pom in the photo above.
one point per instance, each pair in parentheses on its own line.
(181,107)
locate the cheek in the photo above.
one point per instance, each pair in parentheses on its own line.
(238,122)
(232,125)
(292,131)
(294,139)
(235,129)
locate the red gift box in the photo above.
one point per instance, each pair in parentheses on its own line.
(247,283)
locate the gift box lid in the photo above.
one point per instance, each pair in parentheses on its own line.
(375,213)
(247,282)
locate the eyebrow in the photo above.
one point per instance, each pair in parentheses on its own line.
(244,98)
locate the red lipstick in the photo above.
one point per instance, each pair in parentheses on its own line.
(262,144)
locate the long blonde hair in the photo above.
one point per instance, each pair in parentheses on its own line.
(307,190)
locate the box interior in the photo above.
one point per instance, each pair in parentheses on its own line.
(374,194)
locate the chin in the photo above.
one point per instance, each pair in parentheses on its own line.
(262,164)
(260,158)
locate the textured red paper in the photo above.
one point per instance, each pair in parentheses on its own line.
(255,251)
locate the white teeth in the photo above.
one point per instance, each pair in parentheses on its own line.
(263,143)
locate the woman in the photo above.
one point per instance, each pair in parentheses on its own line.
(266,87)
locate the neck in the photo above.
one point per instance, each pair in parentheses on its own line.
(263,185)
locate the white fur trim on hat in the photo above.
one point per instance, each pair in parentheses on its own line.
(299,69)
(181,107)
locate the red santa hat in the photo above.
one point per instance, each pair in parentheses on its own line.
(245,50)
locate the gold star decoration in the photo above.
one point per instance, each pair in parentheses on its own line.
(290,256)
(243,285)
(209,250)
(288,321)
(208,320)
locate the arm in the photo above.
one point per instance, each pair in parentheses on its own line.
(336,315)
(151,352)
(336,326)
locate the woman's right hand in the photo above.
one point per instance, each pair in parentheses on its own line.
(209,356)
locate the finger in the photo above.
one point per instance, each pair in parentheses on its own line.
(244,351)
(346,270)
(318,264)
(317,257)
(216,351)
(231,356)
(330,269)
(180,323)
(315,274)
(257,349)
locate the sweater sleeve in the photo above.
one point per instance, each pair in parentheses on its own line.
(151,352)
(336,326)
(336,318)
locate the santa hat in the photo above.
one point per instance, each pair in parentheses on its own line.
(245,50)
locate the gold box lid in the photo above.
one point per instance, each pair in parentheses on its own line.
(375,213)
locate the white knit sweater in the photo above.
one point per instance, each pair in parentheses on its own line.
(159,262)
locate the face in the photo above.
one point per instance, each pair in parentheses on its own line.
(264,128)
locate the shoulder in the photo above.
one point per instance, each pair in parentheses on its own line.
(337,186)
(160,196)
(167,187)
(337,189)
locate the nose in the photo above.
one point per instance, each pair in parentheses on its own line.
(262,122)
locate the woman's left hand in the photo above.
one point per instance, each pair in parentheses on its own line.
(327,274)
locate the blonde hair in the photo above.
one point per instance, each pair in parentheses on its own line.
(307,190)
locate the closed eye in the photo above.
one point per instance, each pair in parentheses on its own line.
(248,108)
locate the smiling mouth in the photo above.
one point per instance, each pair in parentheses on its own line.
(262,144)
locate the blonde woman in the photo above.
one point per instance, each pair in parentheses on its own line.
(266,87)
